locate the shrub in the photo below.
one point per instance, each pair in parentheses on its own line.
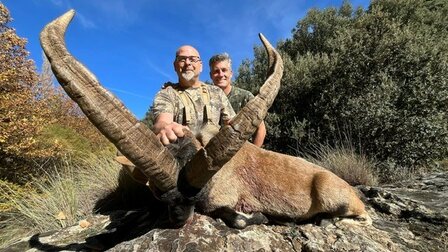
(59,198)
(343,160)
(381,72)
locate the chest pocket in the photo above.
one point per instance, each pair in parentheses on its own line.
(189,109)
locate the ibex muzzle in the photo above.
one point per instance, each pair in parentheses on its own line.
(229,177)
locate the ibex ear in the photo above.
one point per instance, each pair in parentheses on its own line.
(124,161)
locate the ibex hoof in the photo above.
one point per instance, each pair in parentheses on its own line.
(243,220)
(361,220)
(180,214)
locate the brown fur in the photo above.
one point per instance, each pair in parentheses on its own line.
(277,185)
(283,187)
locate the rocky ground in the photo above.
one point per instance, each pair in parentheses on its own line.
(408,216)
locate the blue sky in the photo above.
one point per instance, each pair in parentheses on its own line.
(130,44)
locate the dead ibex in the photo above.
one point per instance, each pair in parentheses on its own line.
(253,186)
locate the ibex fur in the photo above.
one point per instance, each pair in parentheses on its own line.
(281,187)
(229,177)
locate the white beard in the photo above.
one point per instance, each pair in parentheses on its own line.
(188,75)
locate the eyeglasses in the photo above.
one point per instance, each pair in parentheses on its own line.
(183,59)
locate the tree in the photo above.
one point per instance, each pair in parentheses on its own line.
(21,117)
(70,130)
(149,119)
(379,76)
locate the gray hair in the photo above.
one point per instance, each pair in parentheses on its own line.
(220,57)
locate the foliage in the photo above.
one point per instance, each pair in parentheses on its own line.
(71,131)
(59,199)
(346,161)
(149,119)
(18,126)
(74,142)
(380,73)
(38,121)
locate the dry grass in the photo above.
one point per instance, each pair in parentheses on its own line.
(344,161)
(59,198)
(443,165)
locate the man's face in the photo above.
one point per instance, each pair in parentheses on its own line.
(221,74)
(188,64)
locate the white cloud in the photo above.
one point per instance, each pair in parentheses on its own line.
(86,23)
(57,2)
(66,5)
(160,70)
(128,93)
(120,12)
(116,9)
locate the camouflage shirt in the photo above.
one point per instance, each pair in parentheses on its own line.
(238,97)
(168,100)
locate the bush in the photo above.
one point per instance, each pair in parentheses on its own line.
(343,161)
(381,72)
(38,122)
(74,143)
(64,195)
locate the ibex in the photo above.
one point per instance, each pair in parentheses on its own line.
(229,177)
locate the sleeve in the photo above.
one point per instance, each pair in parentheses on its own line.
(249,96)
(163,103)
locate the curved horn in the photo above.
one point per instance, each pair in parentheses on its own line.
(231,138)
(105,111)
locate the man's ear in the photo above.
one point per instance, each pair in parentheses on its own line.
(200,68)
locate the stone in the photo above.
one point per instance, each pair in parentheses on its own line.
(407,216)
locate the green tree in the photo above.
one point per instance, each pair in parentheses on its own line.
(378,75)
(149,119)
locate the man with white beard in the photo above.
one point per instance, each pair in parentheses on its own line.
(190,102)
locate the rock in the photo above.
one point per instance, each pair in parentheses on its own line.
(407,216)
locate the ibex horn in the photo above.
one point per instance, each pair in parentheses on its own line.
(231,138)
(105,111)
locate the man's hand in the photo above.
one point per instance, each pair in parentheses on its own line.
(166,129)
(170,132)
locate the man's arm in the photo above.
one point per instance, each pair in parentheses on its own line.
(166,129)
(259,135)
(164,126)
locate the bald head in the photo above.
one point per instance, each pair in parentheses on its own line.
(188,66)
(187,50)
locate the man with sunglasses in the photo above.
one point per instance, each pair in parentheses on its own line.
(189,103)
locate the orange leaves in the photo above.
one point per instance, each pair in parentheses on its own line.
(30,105)
(21,116)
(84,224)
(4,15)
